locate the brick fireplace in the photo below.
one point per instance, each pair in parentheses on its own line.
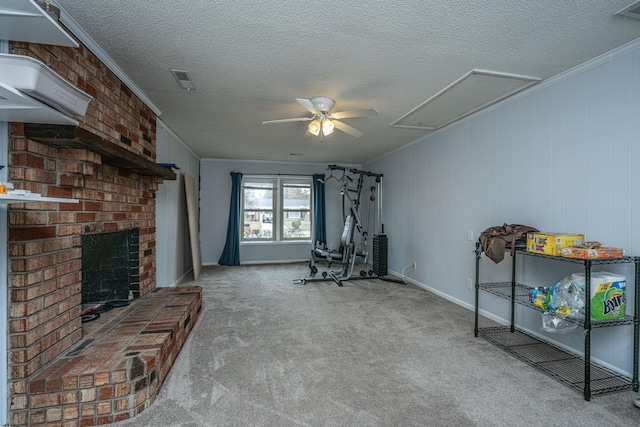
(110,265)
(107,163)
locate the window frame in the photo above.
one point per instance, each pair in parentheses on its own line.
(279,212)
(247,184)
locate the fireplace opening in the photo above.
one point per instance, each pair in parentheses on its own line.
(110,266)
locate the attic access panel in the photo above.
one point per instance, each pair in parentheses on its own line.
(472,92)
(631,11)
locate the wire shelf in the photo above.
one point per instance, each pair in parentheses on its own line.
(594,261)
(558,363)
(503,290)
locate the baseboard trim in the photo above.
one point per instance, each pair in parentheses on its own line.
(181,279)
(271,261)
(505,322)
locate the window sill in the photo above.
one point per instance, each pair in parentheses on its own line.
(273,242)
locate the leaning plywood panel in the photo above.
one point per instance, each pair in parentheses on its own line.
(192,211)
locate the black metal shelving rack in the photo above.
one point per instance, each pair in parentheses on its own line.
(575,371)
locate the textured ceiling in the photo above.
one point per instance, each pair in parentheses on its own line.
(249,60)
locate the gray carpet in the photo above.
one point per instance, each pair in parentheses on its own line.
(266,352)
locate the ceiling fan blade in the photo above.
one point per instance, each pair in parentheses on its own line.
(306,103)
(354,113)
(347,129)
(295,119)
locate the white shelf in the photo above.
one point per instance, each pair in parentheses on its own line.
(16,198)
(23,20)
(35,79)
(18,107)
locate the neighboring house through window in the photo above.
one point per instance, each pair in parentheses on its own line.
(276,208)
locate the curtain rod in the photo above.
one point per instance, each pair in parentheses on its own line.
(281,174)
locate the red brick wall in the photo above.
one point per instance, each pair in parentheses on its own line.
(45,238)
(115,113)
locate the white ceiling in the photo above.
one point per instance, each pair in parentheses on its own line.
(250,59)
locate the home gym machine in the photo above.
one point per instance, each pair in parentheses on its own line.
(352,182)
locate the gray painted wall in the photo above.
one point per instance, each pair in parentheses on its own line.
(173,260)
(215,194)
(562,157)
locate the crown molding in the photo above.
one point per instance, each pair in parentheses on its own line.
(95,48)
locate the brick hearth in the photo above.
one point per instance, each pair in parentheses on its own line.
(116,371)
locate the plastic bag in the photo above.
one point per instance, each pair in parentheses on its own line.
(557,323)
(565,299)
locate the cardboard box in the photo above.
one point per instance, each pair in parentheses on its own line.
(552,243)
(585,253)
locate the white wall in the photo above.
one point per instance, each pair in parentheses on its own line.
(173,261)
(215,195)
(564,156)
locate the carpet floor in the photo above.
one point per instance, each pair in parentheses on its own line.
(268,352)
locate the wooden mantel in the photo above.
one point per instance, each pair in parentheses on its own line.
(67,136)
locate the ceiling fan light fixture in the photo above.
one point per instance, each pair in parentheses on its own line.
(323,121)
(327,127)
(314,127)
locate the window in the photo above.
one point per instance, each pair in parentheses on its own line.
(276,209)
(258,205)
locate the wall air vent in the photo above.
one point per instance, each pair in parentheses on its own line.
(183,79)
(472,92)
(631,11)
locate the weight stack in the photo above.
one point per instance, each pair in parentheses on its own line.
(380,254)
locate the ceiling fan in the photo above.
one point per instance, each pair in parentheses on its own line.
(323,120)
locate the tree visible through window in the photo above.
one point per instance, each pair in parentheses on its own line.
(276,209)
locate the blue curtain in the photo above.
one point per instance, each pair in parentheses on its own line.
(231,253)
(319,223)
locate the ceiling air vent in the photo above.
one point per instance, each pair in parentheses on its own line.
(183,79)
(631,11)
(472,92)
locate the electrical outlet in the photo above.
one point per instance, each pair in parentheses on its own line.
(469,283)
(413,265)
(470,235)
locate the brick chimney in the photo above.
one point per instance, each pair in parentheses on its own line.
(108,164)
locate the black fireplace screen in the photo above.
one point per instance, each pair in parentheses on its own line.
(110,265)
